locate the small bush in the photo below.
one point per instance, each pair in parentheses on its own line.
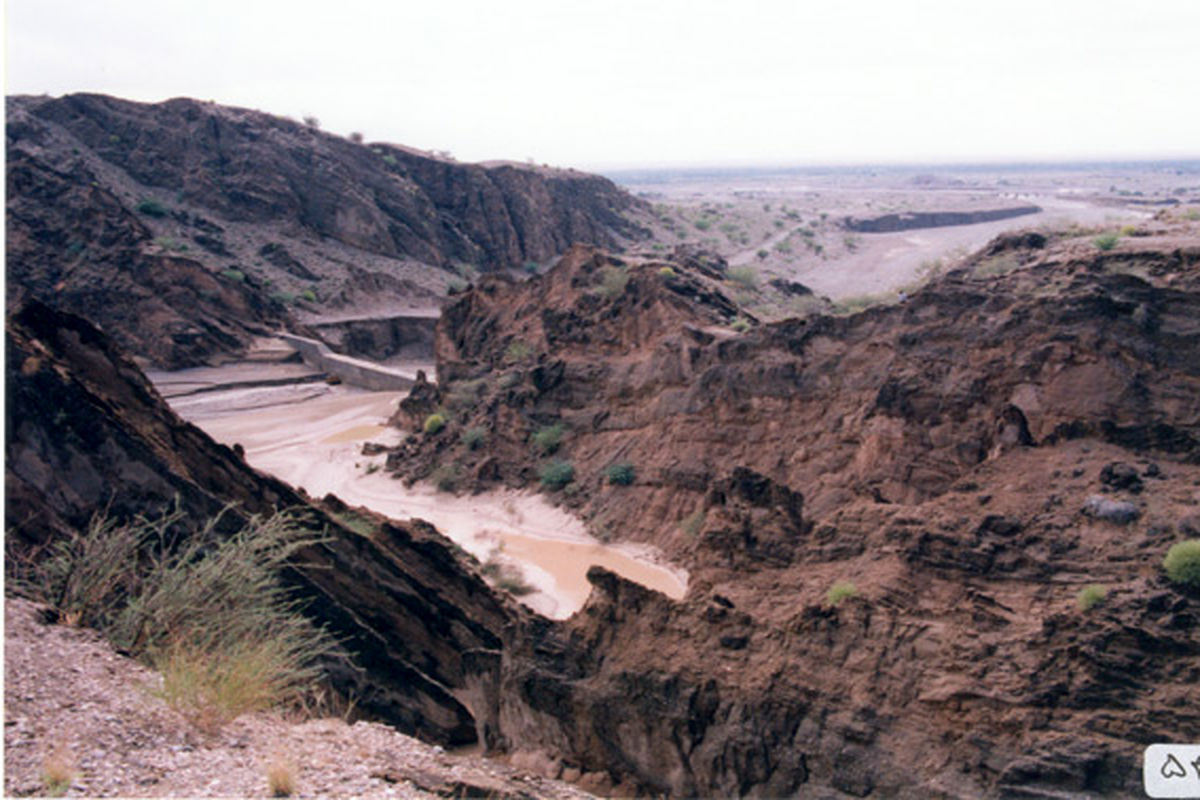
(445,478)
(356,137)
(741,325)
(621,474)
(434,423)
(474,438)
(151,208)
(58,772)
(556,474)
(390,160)
(693,523)
(842,590)
(312,122)
(1091,596)
(281,774)
(1106,241)
(549,438)
(613,281)
(703,224)
(283,298)
(235,275)
(666,272)
(745,277)
(517,351)
(1183,563)
(309,295)
(531,267)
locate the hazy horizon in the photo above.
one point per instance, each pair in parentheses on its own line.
(668,85)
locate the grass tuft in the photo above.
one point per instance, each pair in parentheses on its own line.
(281,777)
(205,608)
(549,438)
(58,772)
(842,590)
(1091,596)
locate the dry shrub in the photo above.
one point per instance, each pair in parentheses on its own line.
(281,777)
(58,771)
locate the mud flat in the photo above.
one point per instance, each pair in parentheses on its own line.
(311,436)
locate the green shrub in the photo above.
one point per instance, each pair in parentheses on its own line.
(390,160)
(842,590)
(1091,596)
(1183,563)
(309,295)
(531,267)
(235,275)
(549,438)
(745,277)
(474,438)
(151,208)
(666,272)
(434,423)
(556,474)
(621,474)
(284,298)
(703,224)
(1106,241)
(207,610)
(613,281)
(741,325)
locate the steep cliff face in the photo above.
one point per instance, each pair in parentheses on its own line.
(940,455)
(234,217)
(86,433)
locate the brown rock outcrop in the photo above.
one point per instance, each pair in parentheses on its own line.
(935,454)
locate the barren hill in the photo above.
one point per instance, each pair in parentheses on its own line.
(211,222)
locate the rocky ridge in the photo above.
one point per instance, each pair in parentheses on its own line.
(212,219)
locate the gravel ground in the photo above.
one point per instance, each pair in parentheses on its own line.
(69,698)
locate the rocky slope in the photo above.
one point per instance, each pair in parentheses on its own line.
(957,458)
(238,213)
(86,433)
(912,220)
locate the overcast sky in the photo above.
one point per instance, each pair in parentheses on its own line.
(609,83)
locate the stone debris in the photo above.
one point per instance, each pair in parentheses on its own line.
(69,696)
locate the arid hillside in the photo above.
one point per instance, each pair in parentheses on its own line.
(186,228)
(890,518)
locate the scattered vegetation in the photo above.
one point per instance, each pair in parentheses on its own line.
(531,267)
(355,521)
(390,160)
(152,208)
(666,272)
(621,474)
(613,281)
(1183,563)
(235,275)
(556,474)
(842,590)
(860,302)
(309,295)
(284,298)
(1091,596)
(506,577)
(1106,241)
(205,609)
(549,438)
(741,325)
(434,423)
(474,438)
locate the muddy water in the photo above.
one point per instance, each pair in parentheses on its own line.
(316,444)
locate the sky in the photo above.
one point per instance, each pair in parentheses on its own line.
(618,83)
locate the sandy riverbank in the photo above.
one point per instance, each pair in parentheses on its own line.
(314,441)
